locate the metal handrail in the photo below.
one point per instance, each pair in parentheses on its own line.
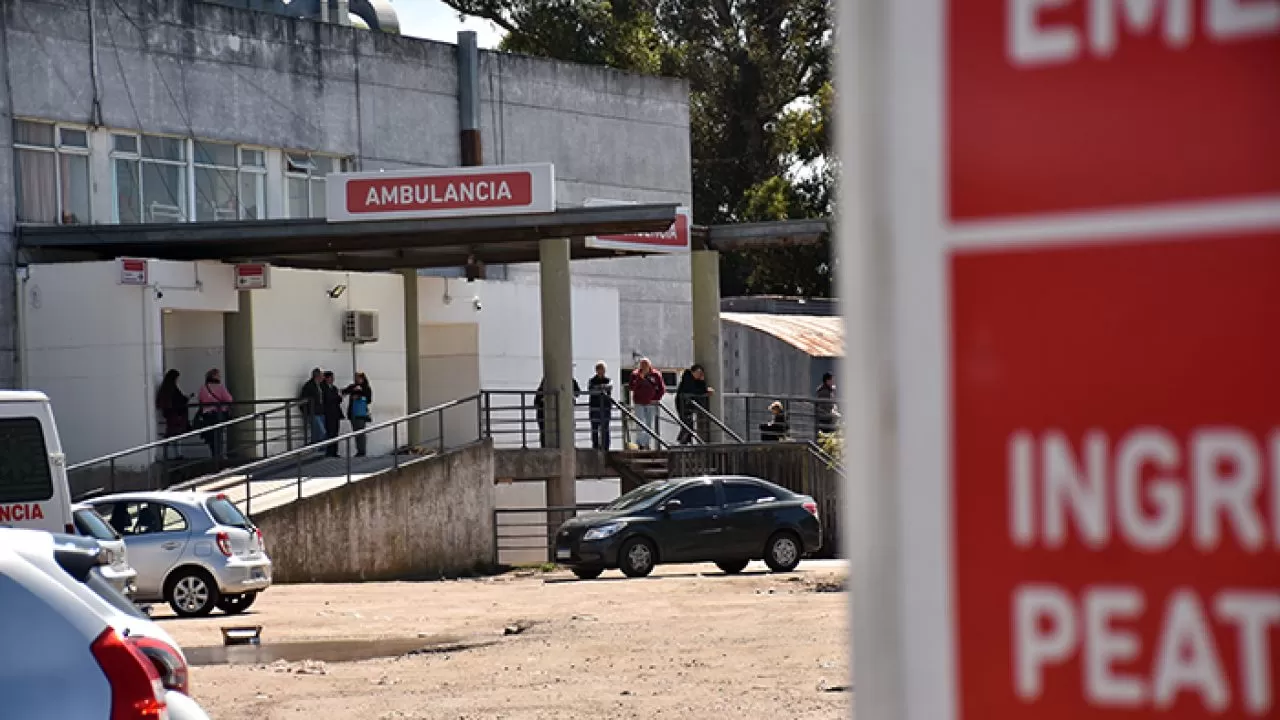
(653,433)
(719,423)
(680,422)
(184,436)
(782,398)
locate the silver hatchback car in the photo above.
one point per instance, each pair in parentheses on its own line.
(194,550)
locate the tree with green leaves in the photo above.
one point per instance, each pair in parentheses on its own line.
(759,75)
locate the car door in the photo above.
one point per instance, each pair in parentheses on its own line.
(155,535)
(749,516)
(693,531)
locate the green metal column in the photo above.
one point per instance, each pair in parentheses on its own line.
(412,353)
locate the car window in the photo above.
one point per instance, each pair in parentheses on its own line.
(224,512)
(742,493)
(142,518)
(698,496)
(24,462)
(91,524)
(639,496)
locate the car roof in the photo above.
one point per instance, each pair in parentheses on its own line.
(14,396)
(168,496)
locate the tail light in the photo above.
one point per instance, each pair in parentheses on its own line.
(261,543)
(224,543)
(136,690)
(173,671)
(810,507)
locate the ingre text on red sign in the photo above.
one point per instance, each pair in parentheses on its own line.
(1148,489)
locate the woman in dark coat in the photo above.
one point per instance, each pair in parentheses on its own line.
(172,404)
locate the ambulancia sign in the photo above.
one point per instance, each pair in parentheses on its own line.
(436,193)
(675,239)
(1082,267)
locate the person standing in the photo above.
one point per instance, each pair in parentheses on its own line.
(692,391)
(824,410)
(332,412)
(647,389)
(215,407)
(312,397)
(540,408)
(599,391)
(360,397)
(172,404)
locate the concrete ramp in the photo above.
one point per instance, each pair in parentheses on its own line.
(271,488)
(432,517)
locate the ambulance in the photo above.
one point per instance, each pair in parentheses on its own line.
(33,471)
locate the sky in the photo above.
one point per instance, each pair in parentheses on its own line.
(434,20)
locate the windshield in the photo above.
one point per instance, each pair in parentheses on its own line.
(639,496)
(91,524)
(226,513)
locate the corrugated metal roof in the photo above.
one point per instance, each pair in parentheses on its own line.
(819,336)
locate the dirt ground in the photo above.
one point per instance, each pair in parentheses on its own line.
(687,642)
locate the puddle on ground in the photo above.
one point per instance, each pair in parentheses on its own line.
(330,650)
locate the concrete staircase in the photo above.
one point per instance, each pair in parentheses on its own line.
(637,467)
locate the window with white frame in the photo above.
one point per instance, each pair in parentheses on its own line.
(150,178)
(304,182)
(230,181)
(51,172)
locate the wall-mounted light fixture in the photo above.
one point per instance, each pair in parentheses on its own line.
(336,291)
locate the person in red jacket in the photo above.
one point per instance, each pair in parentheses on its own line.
(647,389)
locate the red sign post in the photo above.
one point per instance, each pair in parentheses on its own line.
(1084,219)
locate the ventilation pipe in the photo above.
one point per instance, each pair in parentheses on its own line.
(469,97)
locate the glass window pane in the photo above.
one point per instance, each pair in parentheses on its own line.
(75,189)
(71,137)
(736,493)
(297,197)
(323,165)
(125,143)
(210,153)
(252,158)
(296,163)
(216,194)
(36,179)
(164,196)
(32,133)
(128,198)
(698,496)
(24,461)
(253,205)
(317,198)
(163,148)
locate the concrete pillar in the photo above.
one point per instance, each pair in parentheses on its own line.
(240,375)
(412,352)
(705,276)
(557,365)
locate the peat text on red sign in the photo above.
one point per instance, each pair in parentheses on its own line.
(1116,478)
(1064,105)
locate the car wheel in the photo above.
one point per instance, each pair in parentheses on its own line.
(783,552)
(588,573)
(637,558)
(732,567)
(191,593)
(236,604)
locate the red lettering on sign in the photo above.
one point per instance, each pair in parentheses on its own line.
(1116,497)
(441,192)
(21,512)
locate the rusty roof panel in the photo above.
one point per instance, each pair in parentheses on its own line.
(818,336)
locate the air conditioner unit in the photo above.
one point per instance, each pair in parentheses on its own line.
(360,326)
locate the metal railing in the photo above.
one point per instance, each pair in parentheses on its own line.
(806,417)
(333,462)
(161,463)
(524,536)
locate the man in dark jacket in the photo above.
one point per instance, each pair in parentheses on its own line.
(825,414)
(332,412)
(312,397)
(599,390)
(540,408)
(692,391)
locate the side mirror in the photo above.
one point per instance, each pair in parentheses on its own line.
(671,506)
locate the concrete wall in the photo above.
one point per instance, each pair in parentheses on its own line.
(192,69)
(429,519)
(95,346)
(297,327)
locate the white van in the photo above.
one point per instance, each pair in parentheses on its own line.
(33,471)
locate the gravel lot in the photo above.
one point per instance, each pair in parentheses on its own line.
(687,642)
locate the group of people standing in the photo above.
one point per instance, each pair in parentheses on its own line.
(322,407)
(213,406)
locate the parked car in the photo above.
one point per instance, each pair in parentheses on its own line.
(193,550)
(33,475)
(79,634)
(115,569)
(728,520)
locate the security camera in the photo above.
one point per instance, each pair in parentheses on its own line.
(475,302)
(159,294)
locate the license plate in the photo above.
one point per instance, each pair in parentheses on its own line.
(563,554)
